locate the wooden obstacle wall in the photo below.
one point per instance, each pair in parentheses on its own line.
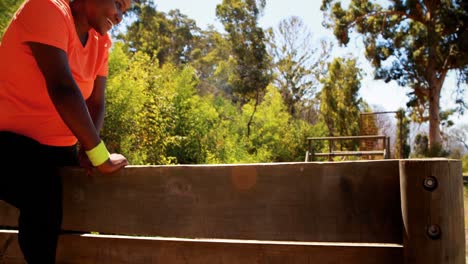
(349,212)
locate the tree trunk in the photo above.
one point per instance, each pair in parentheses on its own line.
(435,139)
(436,80)
(257,99)
(435,77)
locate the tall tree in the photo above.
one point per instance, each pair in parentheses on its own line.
(340,98)
(415,42)
(297,63)
(170,37)
(247,38)
(184,31)
(212,59)
(459,135)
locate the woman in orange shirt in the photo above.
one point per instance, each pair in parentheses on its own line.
(53,68)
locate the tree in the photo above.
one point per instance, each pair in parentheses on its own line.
(459,135)
(170,37)
(212,59)
(240,20)
(276,137)
(403,148)
(297,64)
(340,100)
(415,43)
(127,105)
(183,37)
(421,146)
(465,164)
(368,122)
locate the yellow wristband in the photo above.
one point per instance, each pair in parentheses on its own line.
(98,155)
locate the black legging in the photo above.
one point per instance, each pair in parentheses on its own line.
(30,182)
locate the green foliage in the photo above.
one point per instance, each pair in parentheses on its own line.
(125,104)
(225,144)
(170,37)
(421,146)
(403,148)
(192,117)
(240,20)
(465,164)
(148,108)
(173,124)
(368,123)
(213,63)
(438,151)
(275,136)
(7,10)
(340,99)
(171,93)
(415,43)
(297,63)
(155,116)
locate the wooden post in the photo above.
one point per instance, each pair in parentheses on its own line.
(400,116)
(432,210)
(388,153)
(385,147)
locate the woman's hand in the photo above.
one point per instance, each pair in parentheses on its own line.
(113,164)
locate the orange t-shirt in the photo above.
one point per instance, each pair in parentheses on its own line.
(25,105)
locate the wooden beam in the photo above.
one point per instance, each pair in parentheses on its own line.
(351,153)
(93,249)
(348,137)
(339,202)
(432,208)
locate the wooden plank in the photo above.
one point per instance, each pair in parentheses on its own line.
(344,202)
(348,137)
(350,153)
(432,206)
(112,249)
(363,152)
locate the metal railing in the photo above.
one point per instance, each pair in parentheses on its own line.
(384,152)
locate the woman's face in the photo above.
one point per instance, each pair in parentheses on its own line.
(102,15)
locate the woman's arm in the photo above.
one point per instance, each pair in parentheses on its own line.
(96,108)
(96,102)
(69,102)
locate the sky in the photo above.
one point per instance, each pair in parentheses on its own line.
(388,96)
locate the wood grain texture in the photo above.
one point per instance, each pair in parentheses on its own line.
(97,250)
(322,202)
(356,202)
(422,208)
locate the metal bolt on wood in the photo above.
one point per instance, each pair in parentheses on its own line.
(430,183)
(434,232)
